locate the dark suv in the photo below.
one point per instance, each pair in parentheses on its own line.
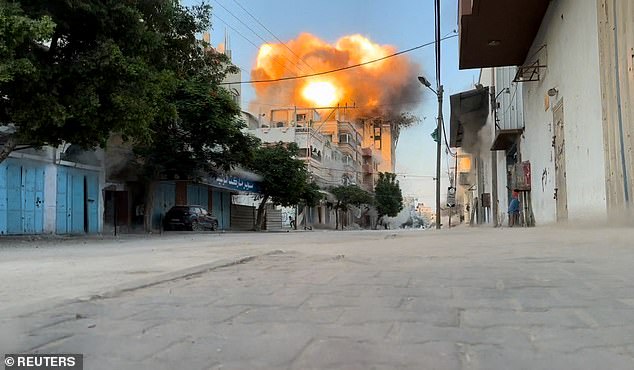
(194,218)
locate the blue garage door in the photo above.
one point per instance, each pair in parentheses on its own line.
(164,199)
(198,195)
(21,197)
(77,201)
(222,208)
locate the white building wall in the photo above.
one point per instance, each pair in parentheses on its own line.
(274,135)
(569,31)
(50,198)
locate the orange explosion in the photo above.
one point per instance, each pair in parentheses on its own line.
(386,85)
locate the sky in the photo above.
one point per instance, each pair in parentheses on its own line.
(401,23)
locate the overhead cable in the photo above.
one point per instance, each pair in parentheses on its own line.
(338,69)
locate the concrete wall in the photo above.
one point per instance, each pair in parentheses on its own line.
(569,33)
(616,47)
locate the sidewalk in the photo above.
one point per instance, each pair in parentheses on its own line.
(40,272)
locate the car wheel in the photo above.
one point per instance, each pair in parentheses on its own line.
(214,226)
(196,226)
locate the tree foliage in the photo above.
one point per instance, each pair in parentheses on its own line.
(387,195)
(312,195)
(107,67)
(17,32)
(205,135)
(348,195)
(285,179)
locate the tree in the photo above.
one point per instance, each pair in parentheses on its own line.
(284,177)
(348,195)
(107,67)
(204,137)
(17,32)
(388,196)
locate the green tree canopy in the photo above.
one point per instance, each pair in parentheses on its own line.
(348,195)
(285,179)
(206,135)
(107,67)
(388,196)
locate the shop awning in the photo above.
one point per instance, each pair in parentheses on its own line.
(504,139)
(468,108)
(496,33)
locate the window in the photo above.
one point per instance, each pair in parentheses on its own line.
(347,139)
(301,117)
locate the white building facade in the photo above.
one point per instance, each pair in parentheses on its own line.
(554,110)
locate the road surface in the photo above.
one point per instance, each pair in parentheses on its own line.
(540,298)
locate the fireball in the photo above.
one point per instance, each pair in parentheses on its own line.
(322,93)
(381,86)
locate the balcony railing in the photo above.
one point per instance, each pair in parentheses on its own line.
(366,152)
(368,168)
(347,127)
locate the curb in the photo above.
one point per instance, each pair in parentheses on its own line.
(52,303)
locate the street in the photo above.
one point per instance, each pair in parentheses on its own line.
(461,299)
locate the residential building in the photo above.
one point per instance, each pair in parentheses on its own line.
(552,114)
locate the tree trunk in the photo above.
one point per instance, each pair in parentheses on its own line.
(379,220)
(260,218)
(337,215)
(8,147)
(148,207)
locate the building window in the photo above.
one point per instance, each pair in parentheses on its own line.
(347,139)
(301,117)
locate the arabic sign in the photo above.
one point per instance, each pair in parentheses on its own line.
(235,183)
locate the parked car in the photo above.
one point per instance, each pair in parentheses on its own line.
(195,218)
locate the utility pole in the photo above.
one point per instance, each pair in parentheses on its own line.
(438,155)
(439,92)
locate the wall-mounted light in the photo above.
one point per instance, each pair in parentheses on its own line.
(553,92)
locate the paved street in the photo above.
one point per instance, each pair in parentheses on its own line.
(536,298)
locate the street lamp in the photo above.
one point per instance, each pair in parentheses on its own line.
(438,93)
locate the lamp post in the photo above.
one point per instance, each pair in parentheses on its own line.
(439,94)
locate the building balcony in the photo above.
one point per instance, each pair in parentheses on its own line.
(347,127)
(368,169)
(496,33)
(347,147)
(366,152)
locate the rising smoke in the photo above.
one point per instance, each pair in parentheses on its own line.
(385,88)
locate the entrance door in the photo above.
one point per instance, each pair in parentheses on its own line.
(77,201)
(23,190)
(561,197)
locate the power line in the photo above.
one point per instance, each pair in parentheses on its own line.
(342,107)
(255,33)
(277,38)
(248,40)
(342,68)
(444,133)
